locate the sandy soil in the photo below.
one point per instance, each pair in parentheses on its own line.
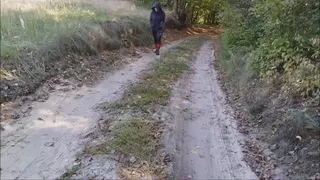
(44,143)
(203,132)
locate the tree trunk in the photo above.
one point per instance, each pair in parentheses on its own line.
(169,3)
(192,14)
(175,8)
(195,17)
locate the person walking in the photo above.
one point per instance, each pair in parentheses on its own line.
(157,20)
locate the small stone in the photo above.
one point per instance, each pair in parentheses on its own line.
(273,147)
(291,153)
(189,177)
(133,159)
(15,116)
(315,177)
(26,109)
(40,119)
(49,144)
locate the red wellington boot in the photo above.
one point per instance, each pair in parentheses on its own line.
(158,49)
(155,48)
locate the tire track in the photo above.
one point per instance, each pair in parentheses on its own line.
(207,144)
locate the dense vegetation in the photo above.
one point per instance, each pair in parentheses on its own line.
(196,11)
(270,55)
(280,37)
(282,41)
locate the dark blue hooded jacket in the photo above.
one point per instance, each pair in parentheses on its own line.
(157,19)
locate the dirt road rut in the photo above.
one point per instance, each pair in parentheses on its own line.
(207,142)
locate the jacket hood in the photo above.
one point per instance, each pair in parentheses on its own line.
(156,5)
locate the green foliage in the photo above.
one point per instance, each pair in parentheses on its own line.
(281,38)
(147,3)
(197,11)
(230,17)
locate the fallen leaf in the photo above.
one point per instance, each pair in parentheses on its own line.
(299,138)
(194,152)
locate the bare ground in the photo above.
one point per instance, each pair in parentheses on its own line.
(46,139)
(204,139)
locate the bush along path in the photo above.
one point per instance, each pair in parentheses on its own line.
(47,137)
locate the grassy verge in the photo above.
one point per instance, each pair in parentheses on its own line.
(36,38)
(137,134)
(289,125)
(136,137)
(154,87)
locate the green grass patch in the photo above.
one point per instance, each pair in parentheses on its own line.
(137,138)
(132,137)
(154,87)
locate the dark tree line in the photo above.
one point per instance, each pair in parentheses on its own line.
(191,11)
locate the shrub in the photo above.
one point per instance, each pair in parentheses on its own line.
(282,38)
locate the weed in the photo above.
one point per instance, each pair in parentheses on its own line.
(304,119)
(70,172)
(99,149)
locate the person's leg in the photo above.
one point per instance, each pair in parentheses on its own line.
(158,42)
(154,34)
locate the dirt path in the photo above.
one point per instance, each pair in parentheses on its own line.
(205,135)
(43,144)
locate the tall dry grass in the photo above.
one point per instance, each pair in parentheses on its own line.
(34,32)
